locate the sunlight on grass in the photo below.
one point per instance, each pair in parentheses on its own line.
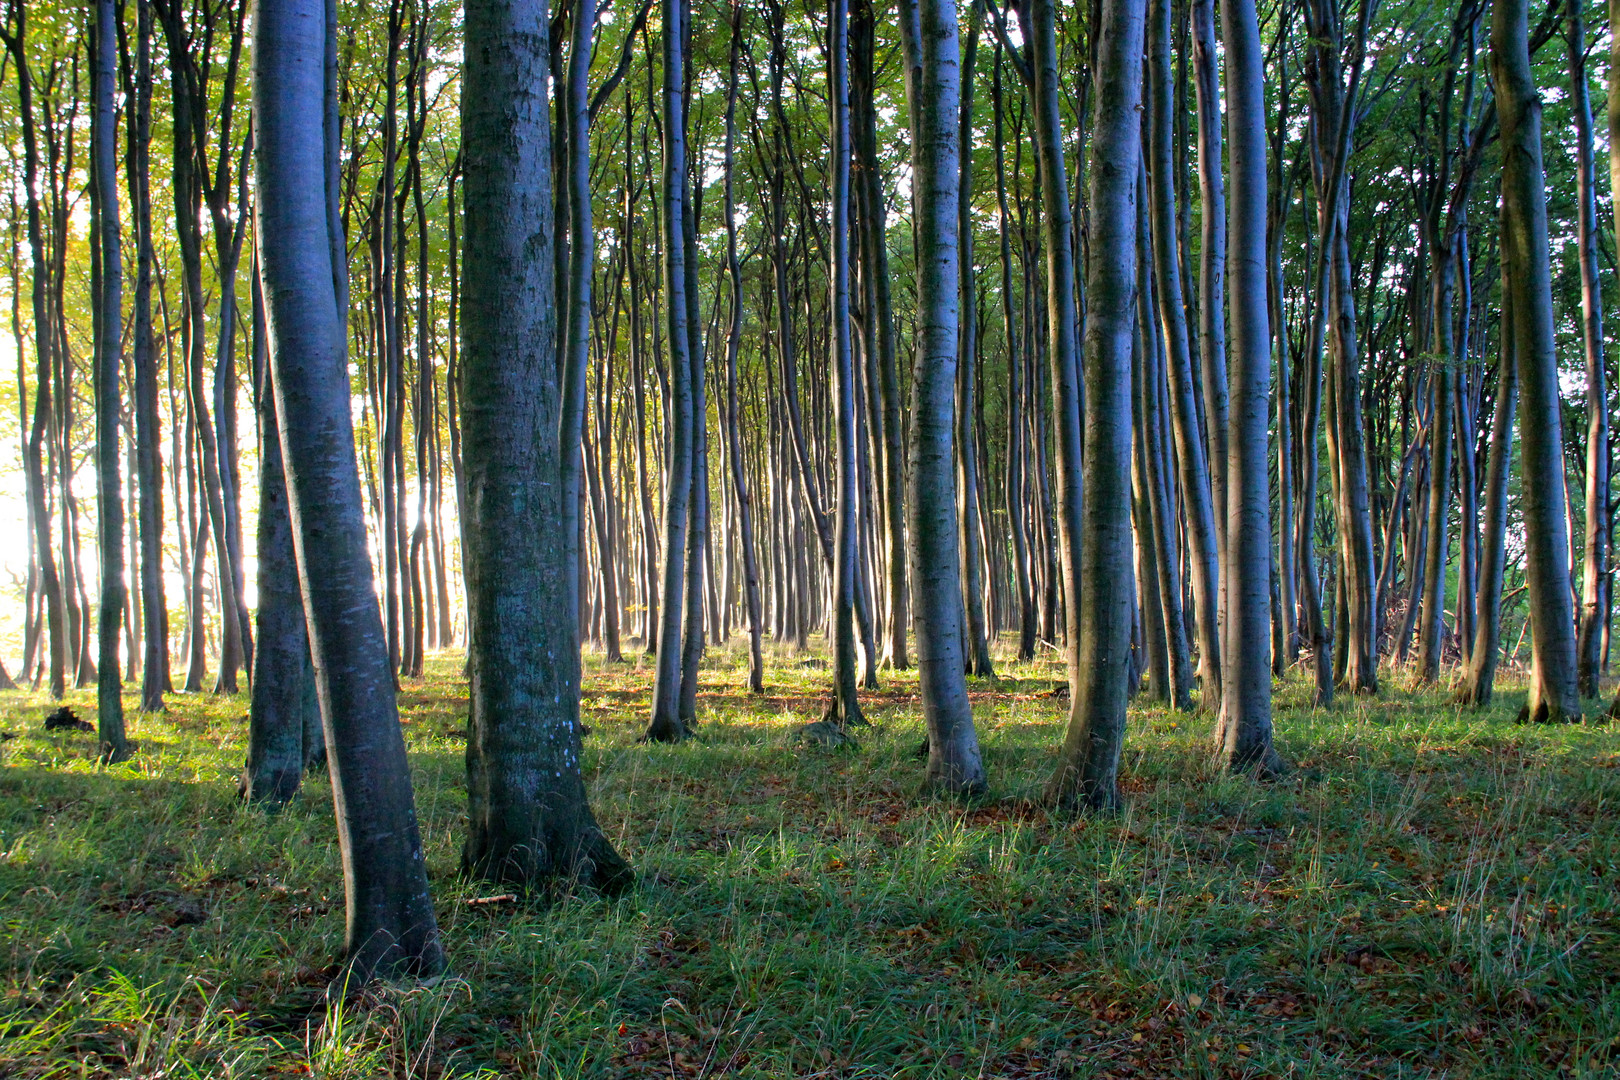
(1431,893)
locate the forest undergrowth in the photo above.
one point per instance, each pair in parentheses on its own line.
(1433,892)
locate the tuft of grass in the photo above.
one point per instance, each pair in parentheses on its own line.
(1430,893)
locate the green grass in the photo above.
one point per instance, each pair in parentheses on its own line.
(1435,893)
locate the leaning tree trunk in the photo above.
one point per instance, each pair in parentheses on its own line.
(390,927)
(1097,544)
(1527,288)
(108,311)
(928,34)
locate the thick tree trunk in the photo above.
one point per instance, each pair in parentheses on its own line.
(390,927)
(1097,545)
(928,35)
(1527,287)
(529,823)
(1243,736)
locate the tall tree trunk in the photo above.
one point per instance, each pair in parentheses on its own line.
(1022,565)
(1200,515)
(529,822)
(967,403)
(1243,736)
(1595,555)
(148,434)
(390,927)
(666,725)
(1479,682)
(928,36)
(874,219)
(1527,286)
(1096,545)
(108,318)
(745,503)
(845,708)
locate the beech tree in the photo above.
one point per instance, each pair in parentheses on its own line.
(390,927)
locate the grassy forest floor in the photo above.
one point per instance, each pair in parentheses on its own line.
(1436,892)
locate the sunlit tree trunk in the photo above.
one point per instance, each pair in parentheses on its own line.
(390,927)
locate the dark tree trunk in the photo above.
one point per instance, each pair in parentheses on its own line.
(1479,682)
(390,927)
(529,823)
(108,318)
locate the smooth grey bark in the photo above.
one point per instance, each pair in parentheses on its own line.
(874,219)
(697,531)
(1334,103)
(1156,531)
(745,503)
(390,927)
(928,37)
(1211,269)
(1244,734)
(529,822)
(967,405)
(1527,286)
(108,318)
(1011,325)
(1595,549)
(845,708)
(666,725)
(148,430)
(1199,506)
(1097,546)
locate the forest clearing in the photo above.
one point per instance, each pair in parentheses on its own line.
(1431,894)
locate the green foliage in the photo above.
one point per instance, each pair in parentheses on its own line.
(1429,895)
